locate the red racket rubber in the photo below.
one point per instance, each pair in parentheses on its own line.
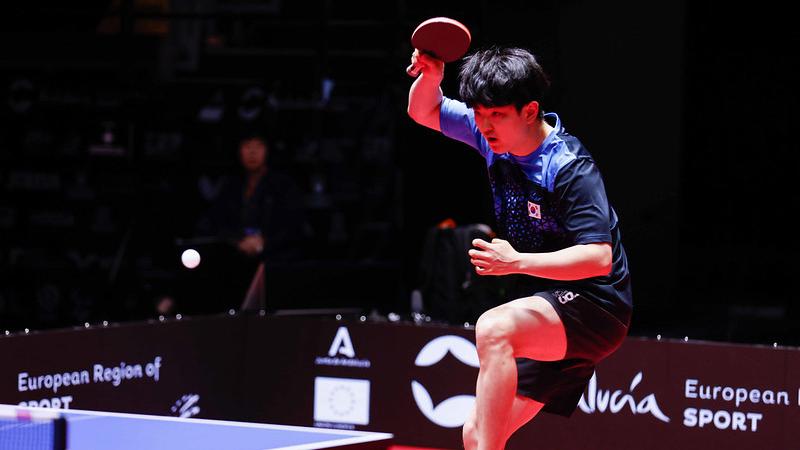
(441,37)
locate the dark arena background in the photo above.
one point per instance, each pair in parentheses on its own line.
(120,123)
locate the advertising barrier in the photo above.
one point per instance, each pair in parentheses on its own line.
(416,381)
(148,368)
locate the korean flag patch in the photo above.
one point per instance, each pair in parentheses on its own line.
(534,210)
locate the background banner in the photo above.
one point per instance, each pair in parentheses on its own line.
(416,381)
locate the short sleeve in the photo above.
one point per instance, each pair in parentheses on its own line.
(457,121)
(582,202)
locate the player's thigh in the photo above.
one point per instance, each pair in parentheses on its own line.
(536,330)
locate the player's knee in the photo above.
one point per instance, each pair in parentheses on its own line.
(470,435)
(493,328)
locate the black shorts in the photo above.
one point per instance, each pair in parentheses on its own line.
(592,334)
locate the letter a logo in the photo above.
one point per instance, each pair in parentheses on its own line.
(342,344)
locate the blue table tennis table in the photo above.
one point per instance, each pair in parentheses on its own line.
(94,430)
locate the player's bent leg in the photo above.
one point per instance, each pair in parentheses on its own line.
(528,328)
(539,333)
(522,411)
(469,434)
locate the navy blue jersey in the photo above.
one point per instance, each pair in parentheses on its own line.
(549,200)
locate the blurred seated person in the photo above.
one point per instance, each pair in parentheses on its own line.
(259,211)
(165,305)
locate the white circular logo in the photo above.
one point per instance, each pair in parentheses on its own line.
(451,412)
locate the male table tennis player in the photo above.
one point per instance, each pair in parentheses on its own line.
(558,238)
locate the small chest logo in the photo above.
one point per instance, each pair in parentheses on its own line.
(534,210)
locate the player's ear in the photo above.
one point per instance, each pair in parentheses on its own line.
(531,111)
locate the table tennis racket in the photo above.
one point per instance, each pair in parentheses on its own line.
(441,37)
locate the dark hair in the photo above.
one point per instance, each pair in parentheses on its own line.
(249,135)
(500,76)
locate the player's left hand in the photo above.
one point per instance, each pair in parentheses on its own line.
(494,258)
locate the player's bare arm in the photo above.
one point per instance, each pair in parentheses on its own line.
(572,263)
(425,95)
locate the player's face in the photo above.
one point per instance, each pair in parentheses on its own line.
(504,128)
(253,154)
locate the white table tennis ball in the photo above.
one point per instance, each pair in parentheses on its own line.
(190,258)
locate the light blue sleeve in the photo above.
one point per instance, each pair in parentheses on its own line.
(457,121)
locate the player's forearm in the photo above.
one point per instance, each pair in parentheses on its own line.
(424,100)
(572,263)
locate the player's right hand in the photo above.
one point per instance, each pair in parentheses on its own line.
(427,65)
